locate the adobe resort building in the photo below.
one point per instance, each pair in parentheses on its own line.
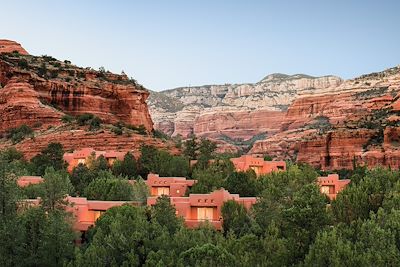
(199,208)
(81,156)
(258,165)
(331,185)
(170,186)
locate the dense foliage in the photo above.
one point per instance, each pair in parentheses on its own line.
(292,224)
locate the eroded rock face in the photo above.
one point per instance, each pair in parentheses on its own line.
(7,46)
(19,104)
(236,111)
(39,91)
(59,87)
(238,124)
(74,139)
(357,123)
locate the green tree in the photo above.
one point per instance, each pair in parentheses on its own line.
(164,214)
(47,238)
(330,249)
(252,250)
(120,238)
(235,218)
(9,192)
(206,150)
(368,194)
(108,187)
(206,255)
(127,167)
(190,148)
(303,219)
(81,177)
(140,190)
(100,164)
(242,183)
(161,162)
(212,178)
(56,186)
(51,156)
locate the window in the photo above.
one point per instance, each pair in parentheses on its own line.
(97,214)
(327,189)
(164,190)
(205,213)
(256,169)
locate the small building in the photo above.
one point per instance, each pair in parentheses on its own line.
(28,180)
(331,185)
(170,186)
(258,165)
(199,208)
(80,156)
(85,212)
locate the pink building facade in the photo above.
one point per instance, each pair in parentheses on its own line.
(85,212)
(170,186)
(28,180)
(199,208)
(331,185)
(80,156)
(258,165)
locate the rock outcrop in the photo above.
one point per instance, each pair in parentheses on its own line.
(60,87)
(7,46)
(40,91)
(237,111)
(20,104)
(74,138)
(357,124)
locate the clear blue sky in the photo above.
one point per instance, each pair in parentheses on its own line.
(170,43)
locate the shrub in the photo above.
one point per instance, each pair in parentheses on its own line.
(67,118)
(53,74)
(160,135)
(18,134)
(84,118)
(22,63)
(37,124)
(48,58)
(57,64)
(42,71)
(94,123)
(116,130)
(141,129)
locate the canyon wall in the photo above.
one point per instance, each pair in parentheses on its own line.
(36,85)
(358,124)
(233,111)
(323,121)
(41,91)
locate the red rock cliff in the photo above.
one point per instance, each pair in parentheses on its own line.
(357,122)
(7,46)
(41,89)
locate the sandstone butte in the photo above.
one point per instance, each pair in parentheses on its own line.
(39,91)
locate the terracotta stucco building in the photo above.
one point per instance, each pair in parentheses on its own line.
(80,156)
(331,185)
(198,208)
(170,186)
